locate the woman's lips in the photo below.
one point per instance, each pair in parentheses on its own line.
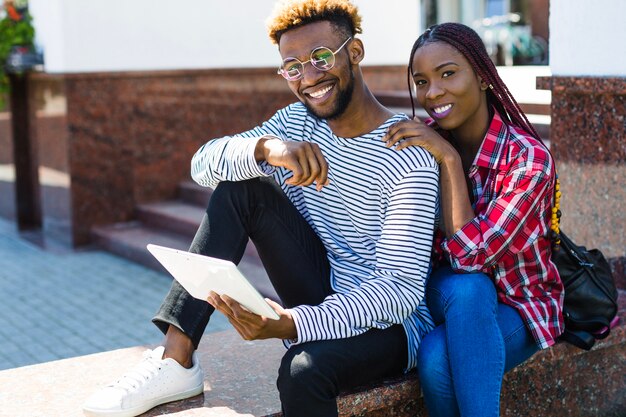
(442,111)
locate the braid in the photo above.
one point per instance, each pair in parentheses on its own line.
(471,46)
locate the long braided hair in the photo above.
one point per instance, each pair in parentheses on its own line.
(471,46)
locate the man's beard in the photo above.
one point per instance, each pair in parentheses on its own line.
(343,100)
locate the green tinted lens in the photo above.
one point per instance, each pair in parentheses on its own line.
(323,59)
(292,69)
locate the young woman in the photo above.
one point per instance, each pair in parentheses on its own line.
(494,295)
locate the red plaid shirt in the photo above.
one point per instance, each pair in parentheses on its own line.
(512,185)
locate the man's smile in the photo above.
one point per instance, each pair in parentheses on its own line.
(319,93)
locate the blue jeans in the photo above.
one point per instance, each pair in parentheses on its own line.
(477,339)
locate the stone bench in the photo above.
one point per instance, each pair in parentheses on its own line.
(240,381)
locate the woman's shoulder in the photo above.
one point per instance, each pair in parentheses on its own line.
(523,146)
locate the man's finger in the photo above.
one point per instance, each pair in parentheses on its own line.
(313,165)
(296,170)
(241,313)
(220,305)
(233,306)
(300,159)
(322,176)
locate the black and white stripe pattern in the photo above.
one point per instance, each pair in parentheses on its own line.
(376,219)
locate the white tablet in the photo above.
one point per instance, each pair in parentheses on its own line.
(200,275)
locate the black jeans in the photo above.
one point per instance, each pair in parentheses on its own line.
(312,374)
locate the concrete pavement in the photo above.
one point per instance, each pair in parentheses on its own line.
(57,303)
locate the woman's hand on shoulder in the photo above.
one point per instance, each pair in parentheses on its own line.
(414,132)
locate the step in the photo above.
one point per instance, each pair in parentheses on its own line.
(179,218)
(240,381)
(192,193)
(129,241)
(174,215)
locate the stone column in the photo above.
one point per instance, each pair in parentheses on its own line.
(588,131)
(28,205)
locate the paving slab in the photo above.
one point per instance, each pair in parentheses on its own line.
(58,303)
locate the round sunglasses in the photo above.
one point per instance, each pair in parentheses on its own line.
(322,58)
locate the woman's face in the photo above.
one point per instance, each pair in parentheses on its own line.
(448,88)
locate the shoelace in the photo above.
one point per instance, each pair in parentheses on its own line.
(146,369)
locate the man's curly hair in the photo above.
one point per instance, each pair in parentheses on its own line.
(291,14)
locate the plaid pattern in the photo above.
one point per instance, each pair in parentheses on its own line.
(512,181)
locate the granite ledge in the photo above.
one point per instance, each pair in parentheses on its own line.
(240,381)
(583,84)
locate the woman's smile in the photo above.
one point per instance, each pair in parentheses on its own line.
(440,112)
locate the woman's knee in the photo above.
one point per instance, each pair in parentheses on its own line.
(449,287)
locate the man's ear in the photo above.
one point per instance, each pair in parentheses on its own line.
(356,51)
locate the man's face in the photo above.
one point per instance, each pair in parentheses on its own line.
(326,94)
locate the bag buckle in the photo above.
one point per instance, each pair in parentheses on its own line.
(580,261)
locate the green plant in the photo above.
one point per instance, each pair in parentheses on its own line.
(15,29)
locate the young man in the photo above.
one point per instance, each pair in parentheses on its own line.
(342,224)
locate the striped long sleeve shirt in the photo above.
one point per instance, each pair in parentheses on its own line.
(376,219)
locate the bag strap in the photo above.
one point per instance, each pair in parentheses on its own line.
(592,323)
(579,338)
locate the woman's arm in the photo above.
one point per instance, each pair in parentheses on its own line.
(516,217)
(455,203)
(512,219)
(456,208)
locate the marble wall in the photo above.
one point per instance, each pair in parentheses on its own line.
(132,135)
(588,140)
(50,133)
(109,141)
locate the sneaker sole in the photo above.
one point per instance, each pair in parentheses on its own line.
(132,412)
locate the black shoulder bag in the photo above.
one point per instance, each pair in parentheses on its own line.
(590,293)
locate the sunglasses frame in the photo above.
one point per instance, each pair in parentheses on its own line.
(282,71)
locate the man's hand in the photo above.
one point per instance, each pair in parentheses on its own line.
(304,159)
(252,326)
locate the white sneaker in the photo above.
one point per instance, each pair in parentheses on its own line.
(154,381)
